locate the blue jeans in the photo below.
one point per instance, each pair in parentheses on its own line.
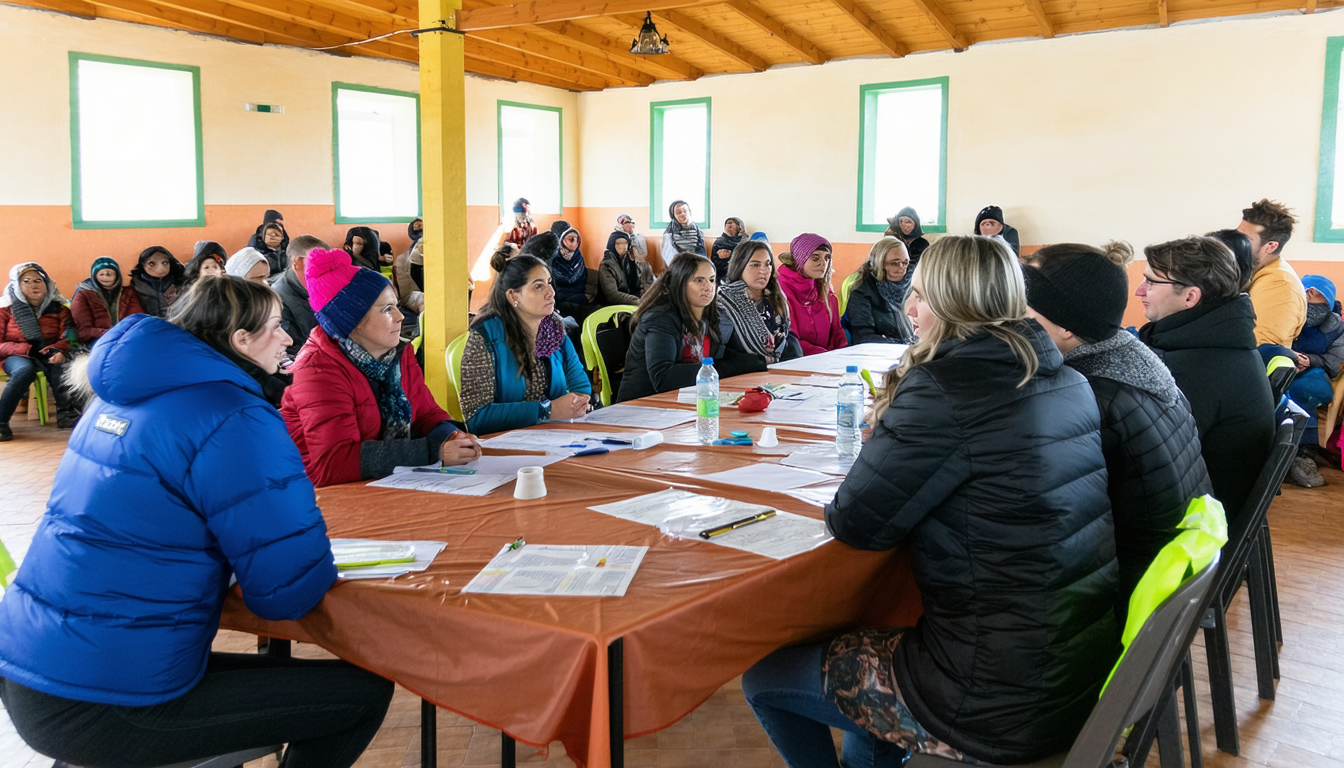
(788,695)
(22,372)
(1311,389)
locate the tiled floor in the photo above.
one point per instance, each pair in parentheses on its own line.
(1302,728)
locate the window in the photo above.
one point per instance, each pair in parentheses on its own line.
(903,153)
(135,144)
(530,157)
(1330,183)
(376,149)
(678,158)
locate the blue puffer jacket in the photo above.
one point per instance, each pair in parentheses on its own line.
(177,477)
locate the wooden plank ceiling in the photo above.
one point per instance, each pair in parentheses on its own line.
(583,45)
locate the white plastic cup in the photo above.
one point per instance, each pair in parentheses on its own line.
(531,483)
(769,439)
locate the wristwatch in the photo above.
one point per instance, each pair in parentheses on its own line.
(545,409)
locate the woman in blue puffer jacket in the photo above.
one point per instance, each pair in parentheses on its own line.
(180,478)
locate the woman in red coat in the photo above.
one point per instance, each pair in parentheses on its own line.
(359,406)
(34,323)
(101,301)
(814,309)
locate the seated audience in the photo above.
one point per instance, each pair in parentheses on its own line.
(523,226)
(622,277)
(1277,294)
(1203,328)
(814,309)
(188,481)
(519,368)
(734,232)
(906,226)
(409,294)
(270,217)
(753,301)
(985,459)
(1319,353)
(1240,245)
(682,235)
(363,246)
(248,264)
(575,284)
(1148,435)
(101,301)
(676,326)
(158,280)
(207,260)
(35,333)
(626,225)
(359,406)
(989,223)
(296,313)
(272,239)
(875,311)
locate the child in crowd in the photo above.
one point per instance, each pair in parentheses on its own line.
(158,279)
(35,331)
(101,302)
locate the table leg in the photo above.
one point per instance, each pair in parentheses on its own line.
(508,751)
(274,646)
(429,734)
(616,700)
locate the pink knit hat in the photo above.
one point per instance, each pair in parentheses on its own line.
(339,292)
(804,245)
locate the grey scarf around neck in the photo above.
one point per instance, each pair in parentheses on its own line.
(1127,360)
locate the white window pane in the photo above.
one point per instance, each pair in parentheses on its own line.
(907,152)
(685,135)
(137,143)
(529,159)
(378,155)
(1337,204)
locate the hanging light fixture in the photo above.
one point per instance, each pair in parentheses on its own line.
(648,43)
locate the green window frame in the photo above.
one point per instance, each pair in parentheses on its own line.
(1329,227)
(868,217)
(657,112)
(506,199)
(78,161)
(341,217)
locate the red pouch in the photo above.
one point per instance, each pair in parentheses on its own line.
(754,400)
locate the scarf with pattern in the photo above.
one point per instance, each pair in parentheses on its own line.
(23,312)
(384,374)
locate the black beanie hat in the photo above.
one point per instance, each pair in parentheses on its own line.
(988,212)
(1082,292)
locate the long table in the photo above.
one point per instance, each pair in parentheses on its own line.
(696,615)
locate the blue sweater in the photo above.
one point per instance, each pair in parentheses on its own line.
(177,478)
(510,410)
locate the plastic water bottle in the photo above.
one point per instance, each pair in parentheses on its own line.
(849,414)
(707,402)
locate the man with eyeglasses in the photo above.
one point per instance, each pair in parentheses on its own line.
(1203,328)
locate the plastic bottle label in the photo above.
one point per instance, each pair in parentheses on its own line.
(846,416)
(707,407)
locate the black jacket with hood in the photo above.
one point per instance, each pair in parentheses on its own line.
(653,361)
(368,254)
(158,293)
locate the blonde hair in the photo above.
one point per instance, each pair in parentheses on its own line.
(873,268)
(972,284)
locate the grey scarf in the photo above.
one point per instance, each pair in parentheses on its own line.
(746,317)
(1127,360)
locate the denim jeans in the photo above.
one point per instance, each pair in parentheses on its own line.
(327,711)
(22,372)
(1311,389)
(788,695)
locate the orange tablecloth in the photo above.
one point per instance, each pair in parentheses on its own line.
(696,615)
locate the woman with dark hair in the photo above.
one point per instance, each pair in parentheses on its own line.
(876,308)
(814,309)
(734,231)
(519,367)
(676,326)
(181,480)
(364,247)
(101,302)
(158,279)
(35,333)
(682,235)
(753,301)
(622,277)
(207,260)
(1240,245)
(359,407)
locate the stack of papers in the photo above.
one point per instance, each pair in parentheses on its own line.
(572,571)
(423,553)
(637,416)
(490,472)
(559,441)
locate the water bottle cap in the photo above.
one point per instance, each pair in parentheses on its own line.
(706,361)
(851,369)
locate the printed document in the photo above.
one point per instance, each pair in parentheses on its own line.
(559,571)
(637,416)
(490,473)
(558,441)
(425,552)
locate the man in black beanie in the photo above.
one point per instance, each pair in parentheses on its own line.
(1149,438)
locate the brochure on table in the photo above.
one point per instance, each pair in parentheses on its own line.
(637,416)
(559,441)
(425,552)
(489,473)
(559,571)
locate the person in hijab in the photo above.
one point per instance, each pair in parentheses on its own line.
(248,264)
(622,277)
(35,330)
(158,279)
(734,231)
(682,235)
(905,225)
(364,247)
(875,312)
(989,223)
(273,243)
(101,302)
(523,226)
(575,287)
(625,225)
(271,217)
(415,230)
(207,260)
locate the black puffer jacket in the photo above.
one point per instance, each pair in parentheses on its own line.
(1001,492)
(871,318)
(1151,445)
(1210,350)
(653,361)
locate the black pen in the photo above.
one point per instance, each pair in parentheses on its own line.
(710,533)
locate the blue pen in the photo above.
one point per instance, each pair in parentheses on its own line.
(591,452)
(446,470)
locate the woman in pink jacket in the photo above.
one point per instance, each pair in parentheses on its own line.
(814,309)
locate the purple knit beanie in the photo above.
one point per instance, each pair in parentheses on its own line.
(803,246)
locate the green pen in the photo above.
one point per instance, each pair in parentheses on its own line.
(446,470)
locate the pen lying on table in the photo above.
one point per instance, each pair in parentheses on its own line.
(710,533)
(445,470)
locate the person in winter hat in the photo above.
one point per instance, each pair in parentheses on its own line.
(207,260)
(101,301)
(363,246)
(415,230)
(35,333)
(625,225)
(989,223)
(622,276)
(814,309)
(905,225)
(158,279)
(1148,435)
(249,264)
(1319,354)
(271,217)
(359,406)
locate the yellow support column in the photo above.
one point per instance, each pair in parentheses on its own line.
(444,178)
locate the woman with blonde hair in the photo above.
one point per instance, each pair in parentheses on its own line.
(986,461)
(876,308)
(814,309)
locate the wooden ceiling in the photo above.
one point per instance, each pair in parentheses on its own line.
(583,45)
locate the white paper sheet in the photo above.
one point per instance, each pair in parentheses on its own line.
(875,357)
(816,495)
(726,399)
(425,552)
(766,477)
(657,508)
(559,571)
(819,380)
(557,441)
(637,416)
(819,458)
(491,473)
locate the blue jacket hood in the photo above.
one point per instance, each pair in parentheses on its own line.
(144,356)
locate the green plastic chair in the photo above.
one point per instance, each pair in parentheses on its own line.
(845,288)
(37,394)
(1281,372)
(7,567)
(592,356)
(452,358)
(419,340)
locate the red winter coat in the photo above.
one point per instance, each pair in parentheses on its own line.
(54,323)
(817,329)
(90,310)
(330,409)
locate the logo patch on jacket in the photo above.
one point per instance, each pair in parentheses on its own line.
(112,425)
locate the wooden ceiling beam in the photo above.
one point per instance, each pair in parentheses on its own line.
(283,30)
(664,65)
(324,19)
(768,24)
(881,36)
(153,14)
(495,69)
(1042,19)
(536,45)
(940,20)
(500,54)
(70,7)
(542,11)
(388,11)
(711,38)
(1163,19)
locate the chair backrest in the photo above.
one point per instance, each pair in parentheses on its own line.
(1281,372)
(845,287)
(452,358)
(7,566)
(598,345)
(1144,675)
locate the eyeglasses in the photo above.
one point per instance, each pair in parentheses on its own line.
(1154,281)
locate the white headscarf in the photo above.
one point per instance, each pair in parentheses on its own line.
(242,262)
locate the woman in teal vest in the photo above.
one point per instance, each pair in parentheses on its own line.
(519,368)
